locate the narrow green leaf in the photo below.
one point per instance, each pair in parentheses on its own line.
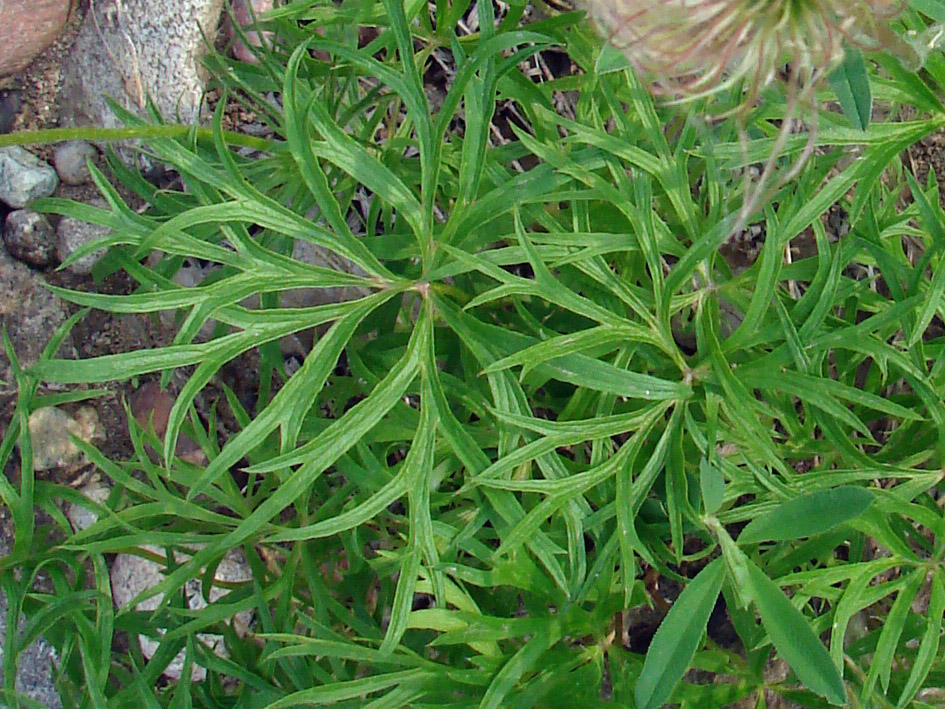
(421,544)
(351,689)
(854,598)
(808,515)
(314,457)
(881,665)
(678,637)
(349,519)
(403,599)
(298,393)
(931,219)
(521,662)
(736,561)
(931,639)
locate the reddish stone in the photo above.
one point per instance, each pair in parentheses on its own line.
(243,13)
(27,27)
(151,407)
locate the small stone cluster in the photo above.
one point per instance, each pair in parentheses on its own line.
(28,235)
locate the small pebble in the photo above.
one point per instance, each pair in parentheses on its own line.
(151,407)
(30,238)
(81,517)
(51,429)
(24,177)
(71,159)
(73,234)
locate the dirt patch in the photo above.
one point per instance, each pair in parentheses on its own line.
(928,155)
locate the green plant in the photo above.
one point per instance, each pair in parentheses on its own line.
(555,390)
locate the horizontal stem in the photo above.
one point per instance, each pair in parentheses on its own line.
(91,133)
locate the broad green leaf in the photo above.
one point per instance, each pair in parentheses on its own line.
(851,83)
(806,516)
(610,60)
(794,640)
(932,8)
(678,637)
(712,484)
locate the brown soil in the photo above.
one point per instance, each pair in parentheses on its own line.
(929,155)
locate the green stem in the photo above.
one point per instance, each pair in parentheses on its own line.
(90,133)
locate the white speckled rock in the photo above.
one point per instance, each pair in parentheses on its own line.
(130,575)
(71,159)
(24,177)
(148,49)
(73,234)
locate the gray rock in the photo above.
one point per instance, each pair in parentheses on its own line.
(74,234)
(30,313)
(24,177)
(71,159)
(35,668)
(30,238)
(135,50)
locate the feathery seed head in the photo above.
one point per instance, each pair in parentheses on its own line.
(692,48)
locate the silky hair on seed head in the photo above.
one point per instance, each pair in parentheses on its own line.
(694,48)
